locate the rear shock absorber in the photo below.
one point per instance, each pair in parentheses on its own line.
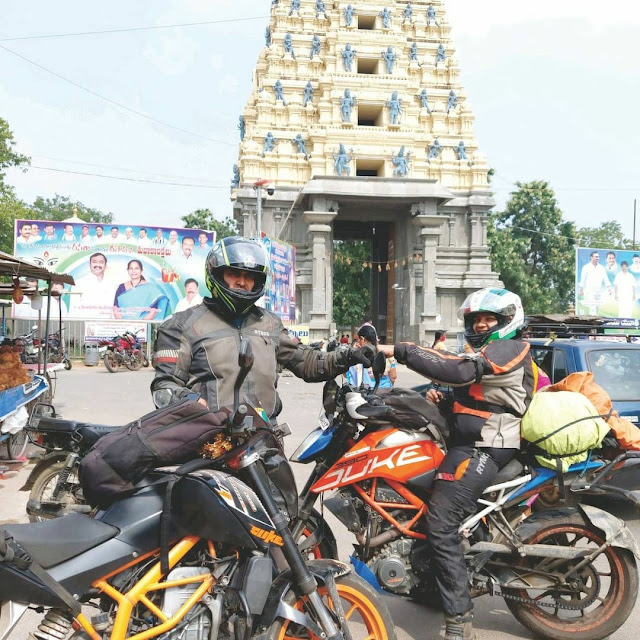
(54,626)
(70,462)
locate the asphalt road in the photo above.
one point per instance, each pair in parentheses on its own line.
(95,395)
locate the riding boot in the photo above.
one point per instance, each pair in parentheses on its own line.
(459,627)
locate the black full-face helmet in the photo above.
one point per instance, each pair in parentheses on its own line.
(236,253)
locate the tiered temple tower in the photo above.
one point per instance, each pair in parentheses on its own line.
(358,118)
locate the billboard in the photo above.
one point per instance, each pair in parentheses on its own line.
(608,282)
(121,272)
(280,290)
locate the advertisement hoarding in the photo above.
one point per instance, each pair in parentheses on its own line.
(280,290)
(122,272)
(608,282)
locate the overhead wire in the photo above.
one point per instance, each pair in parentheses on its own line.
(114,102)
(130,29)
(126,179)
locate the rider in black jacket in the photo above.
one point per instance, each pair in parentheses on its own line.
(491,391)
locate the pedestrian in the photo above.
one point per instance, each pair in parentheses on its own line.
(439,343)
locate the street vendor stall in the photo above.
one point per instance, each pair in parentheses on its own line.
(19,388)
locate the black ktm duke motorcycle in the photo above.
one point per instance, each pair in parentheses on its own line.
(568,573)
(231,567)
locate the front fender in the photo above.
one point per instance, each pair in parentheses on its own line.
(614,530)
(44,462)
(276,607)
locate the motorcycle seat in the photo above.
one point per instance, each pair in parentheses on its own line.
(510,471)
(90,432)
(53,541)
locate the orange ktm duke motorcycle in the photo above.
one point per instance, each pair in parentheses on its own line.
(212,558)
(564,574)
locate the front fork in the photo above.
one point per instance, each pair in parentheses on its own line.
(303,577)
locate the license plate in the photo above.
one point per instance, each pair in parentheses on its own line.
(102,349)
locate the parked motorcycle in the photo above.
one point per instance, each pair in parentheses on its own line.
(125,350)
(234,570)
(55,354)
(53,482)
(565,573)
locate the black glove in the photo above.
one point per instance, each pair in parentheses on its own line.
(362,356)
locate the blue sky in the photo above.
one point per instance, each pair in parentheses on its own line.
(554,89)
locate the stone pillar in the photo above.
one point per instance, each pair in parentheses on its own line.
(322,286)
(430,230)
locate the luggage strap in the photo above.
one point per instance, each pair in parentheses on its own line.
(165,519)
(11,552)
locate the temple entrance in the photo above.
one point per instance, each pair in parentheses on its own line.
(363,292)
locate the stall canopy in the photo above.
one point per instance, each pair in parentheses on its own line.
(10,266)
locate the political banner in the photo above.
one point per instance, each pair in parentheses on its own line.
(280,290)
(607,282)
(121,272)
(96,331)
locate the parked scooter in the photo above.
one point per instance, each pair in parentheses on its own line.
(125,350)
(55,354)
(562,573)
(234,570)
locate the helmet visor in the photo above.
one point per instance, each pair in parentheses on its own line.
(245,255)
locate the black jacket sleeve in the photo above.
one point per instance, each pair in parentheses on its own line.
(496,358)
(310,364)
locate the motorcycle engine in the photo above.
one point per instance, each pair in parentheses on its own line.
(392,566)
(174,597)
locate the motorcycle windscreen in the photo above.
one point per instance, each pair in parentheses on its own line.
(313,445)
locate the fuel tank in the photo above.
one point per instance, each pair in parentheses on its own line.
(392,454)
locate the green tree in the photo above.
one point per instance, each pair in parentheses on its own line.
(351,295)
(11,209)
(608,235)
(532,248)
(204,219)
(62,207)
(8,155)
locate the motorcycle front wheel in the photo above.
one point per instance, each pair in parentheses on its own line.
(135,361)
(67,363)
(598,598)
(45,485)
(111,361)
(367,616)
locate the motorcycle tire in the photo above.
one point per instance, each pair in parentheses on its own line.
(111,361)
(361,604)
(67,363)
(608,586)
(16,444)
(135,361)
(45,483)
(145,361)
(326,547)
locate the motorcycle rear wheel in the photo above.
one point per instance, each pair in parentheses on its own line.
(67,363)
(45,484)
(111,361)
(135,361)
(607,595)
(366,613)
